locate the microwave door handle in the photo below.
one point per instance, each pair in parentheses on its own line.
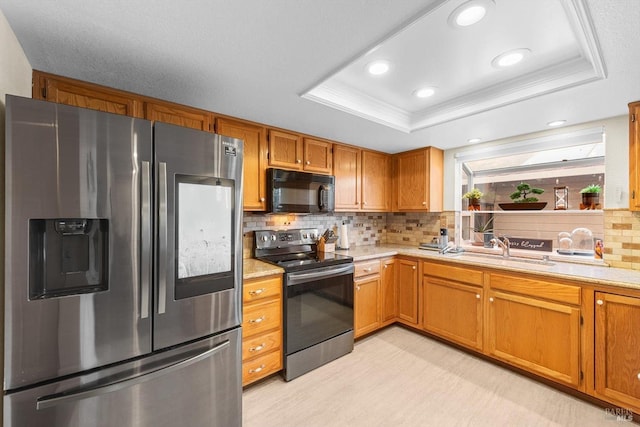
(321,194)
(61,398)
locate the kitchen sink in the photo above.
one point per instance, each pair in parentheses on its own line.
(498,257)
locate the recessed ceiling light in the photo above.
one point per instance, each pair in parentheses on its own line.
(474,140)
(469,13)
(424,92)
(509,58)
(378,68)
(556,123)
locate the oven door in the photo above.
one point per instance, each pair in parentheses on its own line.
(318,306)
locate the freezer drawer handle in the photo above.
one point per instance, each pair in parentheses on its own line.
(61,398)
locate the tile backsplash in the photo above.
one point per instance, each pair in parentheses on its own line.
(621,230)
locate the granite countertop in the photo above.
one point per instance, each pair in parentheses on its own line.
(595,274)
(254,269)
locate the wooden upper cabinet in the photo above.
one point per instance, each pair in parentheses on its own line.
(346,169)
(255,159)
(419,180)
(179,115)
(63,90)
(376,181)
(634,156)
(318,156)
(285,150)
(617,359)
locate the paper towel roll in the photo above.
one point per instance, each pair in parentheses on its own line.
(344,237)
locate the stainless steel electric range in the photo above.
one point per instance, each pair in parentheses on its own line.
(318,298)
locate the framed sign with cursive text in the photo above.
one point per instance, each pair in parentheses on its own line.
(531,244)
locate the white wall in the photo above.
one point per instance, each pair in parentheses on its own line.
(15,79)
(616,160)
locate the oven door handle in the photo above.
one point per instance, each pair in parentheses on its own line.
(333,271)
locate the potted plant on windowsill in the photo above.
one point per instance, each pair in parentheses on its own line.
(474,199)
(524,199)
(483,232)
(590,196)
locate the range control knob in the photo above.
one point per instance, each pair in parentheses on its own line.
(273,238)
(264,238)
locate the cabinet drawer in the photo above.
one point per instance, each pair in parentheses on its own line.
(459,274)
(366,268)
(261,289)
(536,288)
(261,344)
(261,367)
(261,317)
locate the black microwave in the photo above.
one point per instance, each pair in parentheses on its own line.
(299,192)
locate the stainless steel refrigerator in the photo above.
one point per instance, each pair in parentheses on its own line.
(123,271)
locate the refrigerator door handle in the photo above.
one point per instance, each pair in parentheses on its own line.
(162,237)
(145,245)
(61,398)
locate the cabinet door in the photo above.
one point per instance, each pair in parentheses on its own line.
(285,150)
(540,336)
(179,115)
(617,359)
(419,180)
(86,95)
(634,156)
(318,156)
(366,305)
(376,181)
(347,170)
(453,311)
(408,291)
(255,160)
(388,291)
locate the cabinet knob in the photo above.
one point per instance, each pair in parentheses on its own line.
(308,162)
(298,161)
(638,375)
(258,320)
(491,299)
(257,292)
(413,267)
(477,296)
(358,288)
(424,203)
(257,348)
(364,203)
(599,302)
(385,266)
(262,199)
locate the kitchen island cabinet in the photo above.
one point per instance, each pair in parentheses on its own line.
(255,160)
(261,328)
(617,354)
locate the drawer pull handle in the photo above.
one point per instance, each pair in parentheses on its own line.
(258,369)
(258,320)
(366,270)
(599,302)
(257,348)
(257,292)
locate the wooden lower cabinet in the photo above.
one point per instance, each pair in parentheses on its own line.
(366,297)
(539,335)
(388,291)
(617,353)
(453,310)
(261,328)
(407,290)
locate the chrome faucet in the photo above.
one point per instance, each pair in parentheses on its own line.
(504,244)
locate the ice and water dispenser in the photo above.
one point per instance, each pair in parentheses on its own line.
(67,256)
